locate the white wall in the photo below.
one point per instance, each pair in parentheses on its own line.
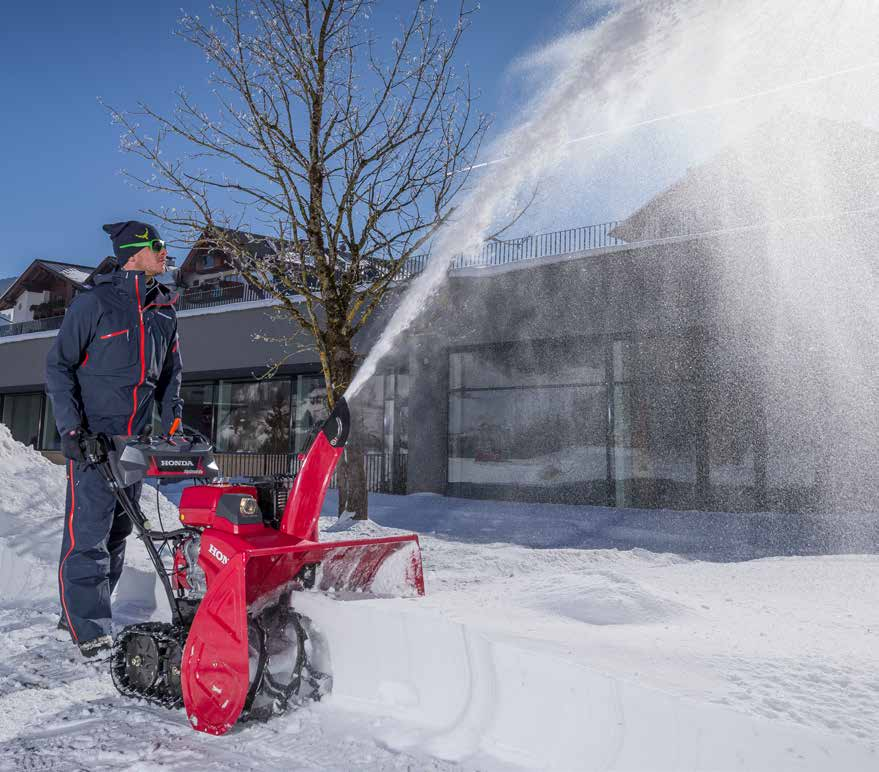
(22,311)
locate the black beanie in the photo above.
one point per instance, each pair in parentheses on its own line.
(130,232)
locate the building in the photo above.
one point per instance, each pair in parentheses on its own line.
(677,359)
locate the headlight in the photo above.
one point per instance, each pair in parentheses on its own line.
(248,506)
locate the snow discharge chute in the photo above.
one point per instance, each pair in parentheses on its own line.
(236,647)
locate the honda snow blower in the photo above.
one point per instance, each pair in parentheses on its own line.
(235,648)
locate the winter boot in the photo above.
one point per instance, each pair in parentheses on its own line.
(100,645)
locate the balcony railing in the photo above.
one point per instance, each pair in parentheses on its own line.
(37,325)
(206,297)
(497,252)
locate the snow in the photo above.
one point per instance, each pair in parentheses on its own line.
(541,643)
(76,273)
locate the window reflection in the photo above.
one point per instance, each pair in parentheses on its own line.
(254,417)
(198,407)
(311,408)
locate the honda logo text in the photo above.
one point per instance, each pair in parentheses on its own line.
(218,555)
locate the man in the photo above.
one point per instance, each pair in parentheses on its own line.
(116,354)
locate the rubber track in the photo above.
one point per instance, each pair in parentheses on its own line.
(166,635)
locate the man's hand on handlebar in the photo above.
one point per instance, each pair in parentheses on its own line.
(83,447)
(72,445)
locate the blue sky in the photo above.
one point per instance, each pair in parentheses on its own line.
(60,154)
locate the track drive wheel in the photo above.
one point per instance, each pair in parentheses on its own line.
(145,663)
(142,662)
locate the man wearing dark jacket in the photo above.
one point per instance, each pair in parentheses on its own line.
(116,354)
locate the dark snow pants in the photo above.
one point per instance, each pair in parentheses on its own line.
(92,551)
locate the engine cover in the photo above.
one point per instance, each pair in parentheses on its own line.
(224,507)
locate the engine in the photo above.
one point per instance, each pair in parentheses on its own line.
(188,577)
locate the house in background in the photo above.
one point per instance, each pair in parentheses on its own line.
(37,299)
(205,266)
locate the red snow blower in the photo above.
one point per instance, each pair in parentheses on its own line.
(236,649)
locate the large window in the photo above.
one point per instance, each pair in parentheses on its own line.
(254,417)
(529,420)
(21,413)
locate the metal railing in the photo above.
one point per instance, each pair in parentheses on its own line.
(37,325)
(500,252)
(207,297)
(385,472)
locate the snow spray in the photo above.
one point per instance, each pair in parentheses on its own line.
(623,107)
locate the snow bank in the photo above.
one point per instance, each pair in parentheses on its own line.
(456,692)
(32,495)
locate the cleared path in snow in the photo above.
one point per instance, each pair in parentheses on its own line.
(464,692)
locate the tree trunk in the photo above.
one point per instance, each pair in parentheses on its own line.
(351,471)
(353,496)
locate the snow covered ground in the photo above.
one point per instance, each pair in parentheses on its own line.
(550,637)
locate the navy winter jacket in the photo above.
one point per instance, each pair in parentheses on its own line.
(117,352)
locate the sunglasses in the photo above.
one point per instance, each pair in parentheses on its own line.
(157,245)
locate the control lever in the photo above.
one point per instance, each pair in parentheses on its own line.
(94,448)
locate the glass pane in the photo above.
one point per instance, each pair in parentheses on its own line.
(731,452)
(254,417)
(623,360)
(654,439)
(551,440)
(457,361)
(198,407)
(21,413)
(531,363)
(311,408)
(51,438)
(402,411)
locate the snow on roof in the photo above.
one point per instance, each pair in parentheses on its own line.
(76,273)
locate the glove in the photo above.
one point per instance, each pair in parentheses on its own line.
(72,445)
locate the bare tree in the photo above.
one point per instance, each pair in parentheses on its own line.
(344,150)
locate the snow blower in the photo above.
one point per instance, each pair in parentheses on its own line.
(236,648)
